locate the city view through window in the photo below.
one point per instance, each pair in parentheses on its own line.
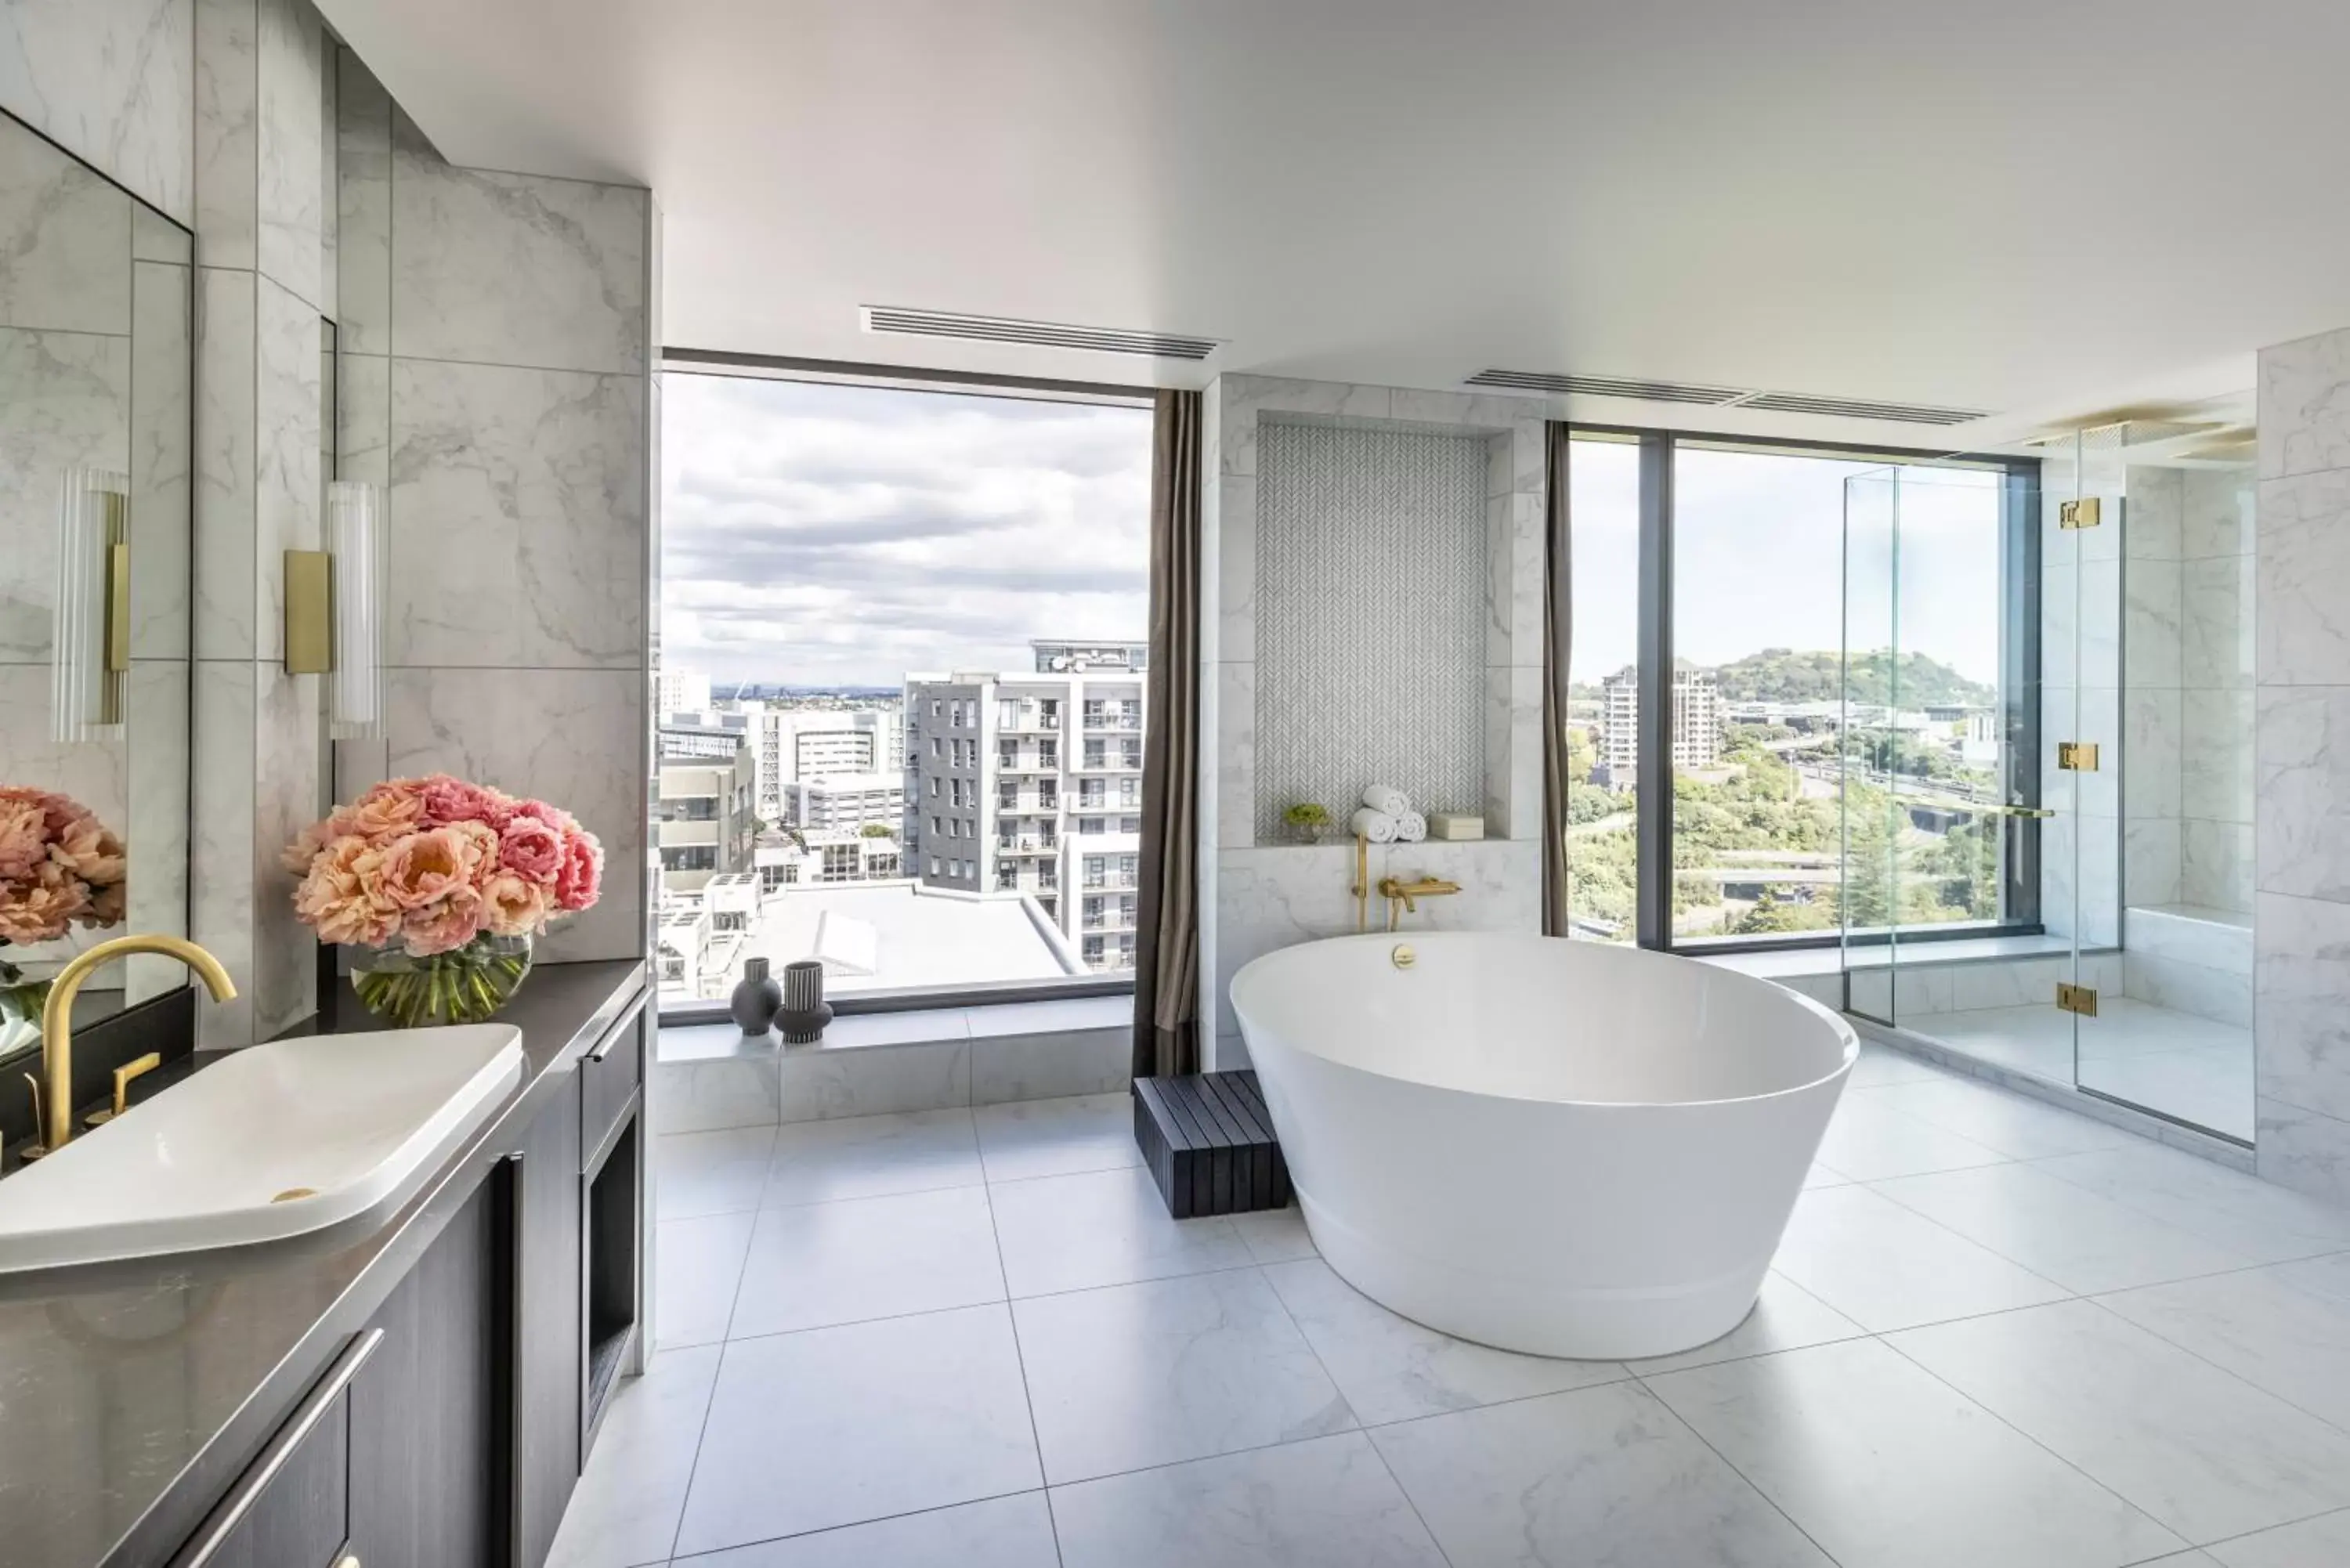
(1806,790)
(901,695)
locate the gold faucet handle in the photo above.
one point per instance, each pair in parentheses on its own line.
(33,1149)
(123,1080)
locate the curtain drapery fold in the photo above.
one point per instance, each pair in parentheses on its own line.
(1558,612)
(1167,941)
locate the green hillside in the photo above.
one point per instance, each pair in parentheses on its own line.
(1784,675)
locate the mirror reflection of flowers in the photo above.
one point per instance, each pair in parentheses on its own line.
(59,865)
(445,883)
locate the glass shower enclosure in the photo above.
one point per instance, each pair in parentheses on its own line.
(2056,881)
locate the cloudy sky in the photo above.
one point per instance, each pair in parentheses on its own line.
(1760,558)
(845,535)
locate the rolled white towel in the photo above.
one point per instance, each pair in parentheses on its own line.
(1375,825)
(1410,827)
(1386,799)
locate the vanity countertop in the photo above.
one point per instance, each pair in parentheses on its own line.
(132,1394)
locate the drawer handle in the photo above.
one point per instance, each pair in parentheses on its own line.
(305,1420)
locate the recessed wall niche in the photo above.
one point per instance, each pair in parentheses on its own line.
(1371,575)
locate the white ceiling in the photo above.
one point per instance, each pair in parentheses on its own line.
(2005,205)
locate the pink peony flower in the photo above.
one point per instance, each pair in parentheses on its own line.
(91,852)
(532,847)
(477,843)
(343,894)
(513,905)
(384,813)
(554,817)
(445,926)
(448,799)
(581,880)
(38,909)
(24,833)
(427,867)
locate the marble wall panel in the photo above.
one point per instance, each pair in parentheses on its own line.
(512,269)
(517,518)
(290,172)
(65,243)
(113,83)
(68,396)
(2302,930)
(161,461)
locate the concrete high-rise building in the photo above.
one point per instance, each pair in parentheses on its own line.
(680,691)
(1032,782)
(801,745)
(1697,724)
(704,825)
(847,801)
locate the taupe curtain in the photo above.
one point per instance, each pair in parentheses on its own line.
(1167,941)
(1559,620)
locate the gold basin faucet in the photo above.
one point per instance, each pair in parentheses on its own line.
(1403,898)
(57,1017)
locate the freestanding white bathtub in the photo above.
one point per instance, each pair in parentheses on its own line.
(1562,1147)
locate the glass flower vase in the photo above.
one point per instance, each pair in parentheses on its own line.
(465,985)
(21,1003)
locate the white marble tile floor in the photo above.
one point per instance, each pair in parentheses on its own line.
(973,1338)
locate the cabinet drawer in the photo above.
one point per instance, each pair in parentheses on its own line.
(292,1509)
(608,1076)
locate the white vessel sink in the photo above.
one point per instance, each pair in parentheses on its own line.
(275,1141)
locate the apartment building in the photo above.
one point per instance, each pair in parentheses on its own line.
(703,824)
(845,801)
(1031,781)
(1697,724)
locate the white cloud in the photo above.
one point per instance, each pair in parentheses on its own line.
(830,536)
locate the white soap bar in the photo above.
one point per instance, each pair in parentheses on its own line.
(1455,824)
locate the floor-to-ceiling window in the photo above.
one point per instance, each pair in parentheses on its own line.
(901,693)
(1603,672)
(1797,736)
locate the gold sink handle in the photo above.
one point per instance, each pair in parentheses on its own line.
(122,1079)
(57,1019)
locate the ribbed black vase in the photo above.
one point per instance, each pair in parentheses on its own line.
(804,1012)
(757,997)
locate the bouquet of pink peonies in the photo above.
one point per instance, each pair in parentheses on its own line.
(59,867)
(439,886)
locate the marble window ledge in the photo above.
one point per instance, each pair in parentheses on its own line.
(911,1026)
(1831,959)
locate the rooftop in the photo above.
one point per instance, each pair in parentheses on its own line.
(889,936)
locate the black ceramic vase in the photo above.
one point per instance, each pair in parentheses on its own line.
(804,1012)
(757,997)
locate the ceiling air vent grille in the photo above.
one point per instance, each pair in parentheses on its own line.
(1037,333)
(1606,387)
(1861,408)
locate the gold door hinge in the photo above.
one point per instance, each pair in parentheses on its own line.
(2081,513)
(2077,757)
(2080,999)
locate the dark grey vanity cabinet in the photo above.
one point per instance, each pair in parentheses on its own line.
(547,1352)
(450,1429)
(427,1421)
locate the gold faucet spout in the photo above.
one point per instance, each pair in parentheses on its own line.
(1396,891)
(56,1015)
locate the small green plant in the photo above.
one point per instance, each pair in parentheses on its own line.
(1309,820)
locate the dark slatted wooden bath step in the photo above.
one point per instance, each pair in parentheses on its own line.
(1208,1143)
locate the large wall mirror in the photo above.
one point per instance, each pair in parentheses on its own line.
(96,357)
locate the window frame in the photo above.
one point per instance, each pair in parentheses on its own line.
(2020,677)
(785,368)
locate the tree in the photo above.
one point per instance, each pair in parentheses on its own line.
(877,830)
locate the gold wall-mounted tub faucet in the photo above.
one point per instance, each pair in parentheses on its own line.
(57,1018)
(1403,898)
